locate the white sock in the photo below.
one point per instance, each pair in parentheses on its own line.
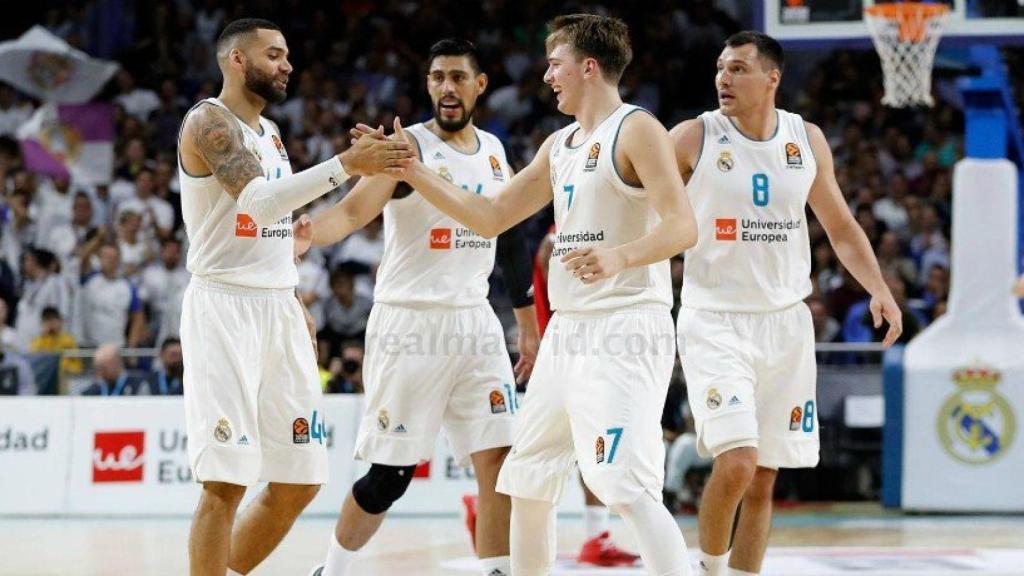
(595,519)
(711,565)
(532,537)
(657,535)
(233,573)
(735,572)
(496,566)
(338,559)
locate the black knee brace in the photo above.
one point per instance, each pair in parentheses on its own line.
(381,487)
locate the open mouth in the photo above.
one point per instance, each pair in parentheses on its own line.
(725,98)
(450,108)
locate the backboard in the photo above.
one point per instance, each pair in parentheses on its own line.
(813,23)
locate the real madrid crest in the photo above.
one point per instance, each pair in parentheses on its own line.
(714,398)
(222,432)
(444,173)
(976,424)
(725,161)
(383,420)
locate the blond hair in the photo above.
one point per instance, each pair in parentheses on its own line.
(602,38)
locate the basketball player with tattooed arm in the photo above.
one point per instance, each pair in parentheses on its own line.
(746,340)
(252,393)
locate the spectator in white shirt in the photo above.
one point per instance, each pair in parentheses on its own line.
(133,244)
(162,290)
(43,287)
(139,102)
(313,287)
(51,206)
(19,224)
(157,213)
(108,304)
(62,238)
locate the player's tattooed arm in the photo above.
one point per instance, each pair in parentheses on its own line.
(218,140)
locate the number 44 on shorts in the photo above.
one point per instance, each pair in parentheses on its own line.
(616,435)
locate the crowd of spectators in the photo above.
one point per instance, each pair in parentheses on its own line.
(103,266)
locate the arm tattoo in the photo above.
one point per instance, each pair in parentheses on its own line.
(220,142)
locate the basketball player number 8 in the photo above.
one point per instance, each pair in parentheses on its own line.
(760,182)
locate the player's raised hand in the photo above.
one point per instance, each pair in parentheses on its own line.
(363,130)
(885,307)
(594,264)
(302,230)
(373,153)
(399,136)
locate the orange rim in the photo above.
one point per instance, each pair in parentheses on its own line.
(912,17)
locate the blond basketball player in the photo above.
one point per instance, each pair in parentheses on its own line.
(745,337)
(435,351)
(252,395)
(606,358)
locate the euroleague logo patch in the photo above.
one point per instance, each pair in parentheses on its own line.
(300,431)
(793,156)
(496,168)
(595,152)
(497,400)
(796,416)
(280,146)
(303,432)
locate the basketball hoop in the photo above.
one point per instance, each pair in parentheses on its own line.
(906,35)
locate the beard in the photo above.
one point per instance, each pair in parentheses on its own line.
(262,85)
(453,125)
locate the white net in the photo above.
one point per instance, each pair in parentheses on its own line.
(906,36)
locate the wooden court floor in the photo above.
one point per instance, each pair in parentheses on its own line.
(862,540)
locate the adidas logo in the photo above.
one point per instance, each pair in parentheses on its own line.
(724,139)
(243,440)
(496,572)
(400,429)
(734,401)
(438,156)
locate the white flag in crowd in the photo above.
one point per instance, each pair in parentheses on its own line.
(48,68)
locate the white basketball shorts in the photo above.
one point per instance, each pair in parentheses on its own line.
(595,399)
(428,367)
(253,404)
(751,381)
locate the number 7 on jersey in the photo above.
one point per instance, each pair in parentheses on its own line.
(569,189)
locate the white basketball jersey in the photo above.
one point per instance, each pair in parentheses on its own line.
(225,244)
(429,258)
(749,198)
(594,207)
